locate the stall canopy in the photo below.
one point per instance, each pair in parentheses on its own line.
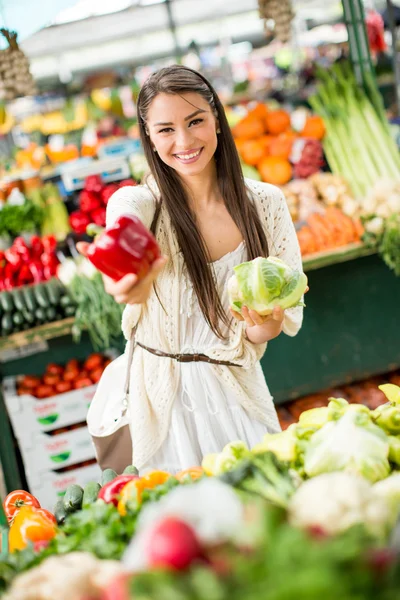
(27,16)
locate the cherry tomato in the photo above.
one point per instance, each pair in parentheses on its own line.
(71,374)
(23,390)
(93,361)
(44,391)
(51,379)
(72,364)
(15,500)
(96,374)
(82,382)
(53,369)
(63,386)
(30,381)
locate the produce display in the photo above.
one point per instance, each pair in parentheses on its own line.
(312,510)
(92,201)
(264,283)
(59,379)
(30,262)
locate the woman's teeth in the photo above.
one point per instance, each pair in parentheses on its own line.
(188,156)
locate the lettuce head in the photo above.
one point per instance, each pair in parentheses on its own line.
(264,283)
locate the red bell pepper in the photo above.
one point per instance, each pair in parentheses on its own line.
(126,247)
(36,247)
(25,276)
(14,260)
(89,201)
(49,243)
(36,270)
(108,191)
(99,216)
(79,221)
(110,492)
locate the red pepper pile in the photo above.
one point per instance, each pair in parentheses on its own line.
(93,201)
(59,380)
(27,263)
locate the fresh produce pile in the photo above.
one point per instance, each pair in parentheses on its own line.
(93,200)
(27,263)
(308,512)
(59,379)
(327,231)
(18,217)
(31,305)
(266,140)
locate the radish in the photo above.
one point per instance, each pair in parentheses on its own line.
(172,544)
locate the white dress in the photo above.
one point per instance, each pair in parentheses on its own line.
(205,415)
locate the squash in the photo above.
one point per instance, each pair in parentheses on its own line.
(252,152)
(276,170)
(249,128)
(277,121)
(314,128)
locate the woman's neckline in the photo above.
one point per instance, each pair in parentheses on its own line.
(228,254)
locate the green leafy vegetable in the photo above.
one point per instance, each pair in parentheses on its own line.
(264,283)
(18,218)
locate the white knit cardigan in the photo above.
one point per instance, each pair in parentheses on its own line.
(154,380)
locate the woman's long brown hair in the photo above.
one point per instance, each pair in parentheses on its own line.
(180,80)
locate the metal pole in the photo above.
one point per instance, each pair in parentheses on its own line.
(172,27)
(395,62)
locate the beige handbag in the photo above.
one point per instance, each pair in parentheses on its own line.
(108,416)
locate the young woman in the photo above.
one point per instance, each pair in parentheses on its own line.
(196,381)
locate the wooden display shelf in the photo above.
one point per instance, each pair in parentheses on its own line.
(37,334)
(339,255)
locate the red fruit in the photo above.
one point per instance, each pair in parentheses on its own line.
(96,374)
(172,544)
(63,386)
(99,216)
(89,201)
(79,221)
(118,589)
(93,361)
(94,183)
(73,363)
(82,382)
(126,182)
(44,391)
(108,191)
(53,369)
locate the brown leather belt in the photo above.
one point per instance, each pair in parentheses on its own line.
(187,358)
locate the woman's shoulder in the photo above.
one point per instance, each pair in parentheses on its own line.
(139,200)
(263,192)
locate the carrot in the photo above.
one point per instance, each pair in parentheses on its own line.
(358,228)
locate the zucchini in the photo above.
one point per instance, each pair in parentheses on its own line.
(28,317)
(90,493)
(107,476)
(19,300)
(59,512)
(41,295)
(40,315)
(51,313)
(53,292)
(72,500)
(29,298)
(7,324)
(6,302)
(18,319)
(131,470)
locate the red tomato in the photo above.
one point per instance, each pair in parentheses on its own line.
(15,500)
(48,514)
(23,390)
(72,364)
(30,381)
(96,374)
(44,391)
(82,382)
(51,379)
(63,386)
(71,374)
(53,369)
(93,361)
(107,362)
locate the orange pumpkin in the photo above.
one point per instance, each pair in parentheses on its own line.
(252,152)
(282,145)
(314,128)
(276,170)
(249,128)
(277,121)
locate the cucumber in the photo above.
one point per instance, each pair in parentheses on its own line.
(72,500)
(29,298)
(6,302)
(51,313)
(41,295)
(59,512)
(66,300)
(53,292)
(7,325)
(19,300)
(90,493)
(18,319)
(40,315)
(69,311)
(107,476)
(28,317)
(131,470)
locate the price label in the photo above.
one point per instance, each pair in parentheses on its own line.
(23,351)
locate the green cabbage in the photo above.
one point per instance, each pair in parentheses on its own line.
(353,443)
(264,283)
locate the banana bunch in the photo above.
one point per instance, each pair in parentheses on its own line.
(281,12)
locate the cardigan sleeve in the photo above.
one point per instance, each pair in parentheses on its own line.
(282,239)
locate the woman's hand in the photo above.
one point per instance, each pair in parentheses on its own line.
(129,290)
(261,329)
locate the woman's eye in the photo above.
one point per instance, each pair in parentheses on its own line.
(165,130)
(196,121)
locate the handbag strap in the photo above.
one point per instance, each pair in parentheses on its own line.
(132,345)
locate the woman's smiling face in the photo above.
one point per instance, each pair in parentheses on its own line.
(182,129)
